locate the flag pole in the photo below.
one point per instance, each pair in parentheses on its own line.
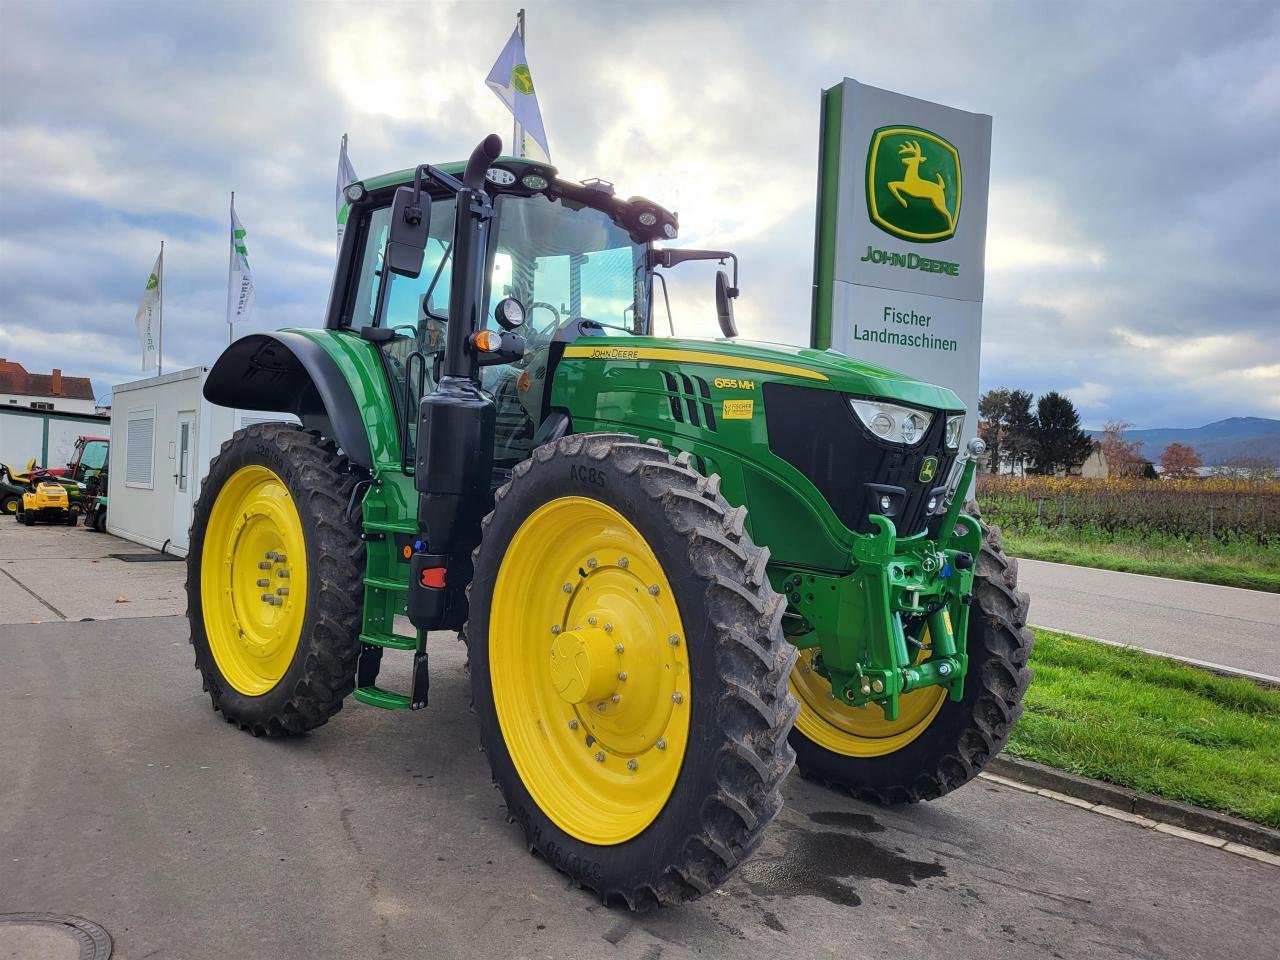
(160,319)
(517,134)
(231,262)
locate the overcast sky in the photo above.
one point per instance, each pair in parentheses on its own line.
(1135,176)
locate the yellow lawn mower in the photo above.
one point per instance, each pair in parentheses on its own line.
(45,500)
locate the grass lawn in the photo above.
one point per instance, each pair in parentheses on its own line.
(1236,564)
(1153,725)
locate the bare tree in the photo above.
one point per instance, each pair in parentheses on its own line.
(1124,457)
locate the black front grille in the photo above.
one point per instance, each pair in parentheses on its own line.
(817,432)
(689,399)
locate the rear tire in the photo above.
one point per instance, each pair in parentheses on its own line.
(9,504)
(695,827)
(269,672)
(964,735)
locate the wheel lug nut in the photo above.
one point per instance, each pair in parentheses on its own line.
(264,582)
(661,744)
(591,563)
(653,589)
(573,724)
(264,564)
(281,558)
(567,588)
(282,572)
(608,628)
(622,675)
(673,640)
(632,764)
(555,628)
(599,756)
(623,562)
(600,706)
(282,591)
(616,698)
(267,598)
(591,621)
(677,697)
(617,648)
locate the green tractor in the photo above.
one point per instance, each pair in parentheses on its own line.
(679,566)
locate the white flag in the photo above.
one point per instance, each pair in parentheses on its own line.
(346,175)
(511,81)
(240,289)
(147,319)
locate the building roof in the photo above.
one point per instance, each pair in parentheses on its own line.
(15,379)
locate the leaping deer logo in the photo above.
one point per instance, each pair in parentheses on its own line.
(913,185)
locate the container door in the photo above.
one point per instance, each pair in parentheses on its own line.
(183,479)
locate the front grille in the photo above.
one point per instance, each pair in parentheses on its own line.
(817,432)
(689,398)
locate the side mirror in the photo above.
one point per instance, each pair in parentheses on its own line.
(724,304)
(407,236)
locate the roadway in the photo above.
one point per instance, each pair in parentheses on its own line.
(1235,628)
(127,801)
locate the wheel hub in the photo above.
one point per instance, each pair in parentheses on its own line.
(584,665)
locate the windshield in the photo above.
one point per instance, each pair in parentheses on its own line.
(94,456)
(566,261)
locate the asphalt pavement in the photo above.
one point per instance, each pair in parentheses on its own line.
(1199,621)
(127,801)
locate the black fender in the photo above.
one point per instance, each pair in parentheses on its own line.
(556,425)
(288,372)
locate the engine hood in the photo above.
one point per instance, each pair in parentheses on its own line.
(821,369)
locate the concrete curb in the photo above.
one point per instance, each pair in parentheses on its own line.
(1172,812)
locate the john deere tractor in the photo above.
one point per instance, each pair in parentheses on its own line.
(679,566)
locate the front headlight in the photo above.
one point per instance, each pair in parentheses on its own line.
(888,421)
(955,427)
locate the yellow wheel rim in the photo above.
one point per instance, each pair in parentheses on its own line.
(253,580)
(858,731)
(589,670)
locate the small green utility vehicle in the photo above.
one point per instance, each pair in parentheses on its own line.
(680,566)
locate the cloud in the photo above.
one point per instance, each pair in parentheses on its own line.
(1133,172)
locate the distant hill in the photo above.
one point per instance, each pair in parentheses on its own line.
(1215,442)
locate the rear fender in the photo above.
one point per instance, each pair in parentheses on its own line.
(290,372)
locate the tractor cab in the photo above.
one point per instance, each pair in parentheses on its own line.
(576,260)
(90,458)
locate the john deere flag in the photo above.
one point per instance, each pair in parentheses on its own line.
(511,81)
(240,289)
(346,175)
(147,319)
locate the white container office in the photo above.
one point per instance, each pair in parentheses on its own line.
(163,435)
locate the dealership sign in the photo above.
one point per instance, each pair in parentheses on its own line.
(902,229)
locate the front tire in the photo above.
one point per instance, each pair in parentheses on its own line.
(938,744)
(628,669)
(274,580)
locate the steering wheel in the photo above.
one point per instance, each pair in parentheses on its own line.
(542,303)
